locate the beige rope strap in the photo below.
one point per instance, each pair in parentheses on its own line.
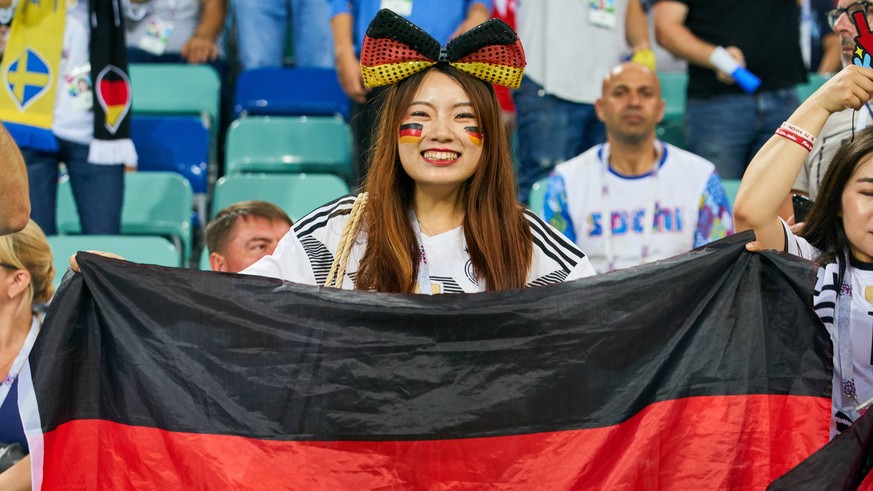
(338,267)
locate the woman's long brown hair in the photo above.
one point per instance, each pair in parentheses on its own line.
(499,240)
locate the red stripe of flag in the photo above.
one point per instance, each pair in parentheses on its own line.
(730,442)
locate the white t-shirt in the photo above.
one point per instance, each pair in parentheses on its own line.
(857,279)
(568,46)
(306,253)
(683,196)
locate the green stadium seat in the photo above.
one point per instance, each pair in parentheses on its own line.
(296,194)
(204,261)
(155,203)
(731,186)
(672,128)
(814,81)
(139,249)
(673,85)
(537,195)
(672,132)
(289,144)
(175,89)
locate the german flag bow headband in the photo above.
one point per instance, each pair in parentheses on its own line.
(395,48)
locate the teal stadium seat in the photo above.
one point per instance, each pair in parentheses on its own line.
(673,86)
(289,144)
(296,194)
(814,81)
(139,249)
(155,203)
(204,261)
(175,89)
(537,195)
(731,186)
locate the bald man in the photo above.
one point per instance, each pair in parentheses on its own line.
(635,199)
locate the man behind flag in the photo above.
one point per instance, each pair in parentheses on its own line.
(220,382)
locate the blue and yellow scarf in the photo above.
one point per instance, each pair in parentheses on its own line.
(31,67)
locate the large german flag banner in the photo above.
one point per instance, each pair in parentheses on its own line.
(707,371)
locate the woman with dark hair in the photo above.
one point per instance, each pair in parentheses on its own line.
(440,213)
(837,235)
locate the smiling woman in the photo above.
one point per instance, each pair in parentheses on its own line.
(441,213)
(838,233)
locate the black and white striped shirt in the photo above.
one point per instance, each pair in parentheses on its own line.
(306,253)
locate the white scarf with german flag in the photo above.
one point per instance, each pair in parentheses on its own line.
(31,67)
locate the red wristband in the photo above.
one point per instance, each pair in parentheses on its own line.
(796,138)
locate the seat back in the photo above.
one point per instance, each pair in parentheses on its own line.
(673,87)
(289,144)
(139,249)
(175,89)
(155,203)
(813,82)
(731,186)
(173,144)
(296,194)
(672,128)
(290,92)
(537,195)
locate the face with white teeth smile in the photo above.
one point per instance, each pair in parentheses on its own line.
(440,143)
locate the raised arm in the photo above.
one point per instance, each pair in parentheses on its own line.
(772,172)
(636,26)
(14,198)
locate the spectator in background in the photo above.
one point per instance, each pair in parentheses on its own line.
(633,199)
(723,124)
(87,130)
(349,20)
(841,125)
(175,31)
(262,27)
(14,200)
(26,274)
(819,43)
(567,43)
(244,232)
(505,11)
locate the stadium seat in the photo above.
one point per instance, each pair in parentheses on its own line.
(673,85)
(537,195)
(672,129)
(731,186)
(290,92)
(204,261)
(175,89)
(672,132)
(297,194)
(175,144)
(139,249)
(814,81)
(155,203)
(289,144)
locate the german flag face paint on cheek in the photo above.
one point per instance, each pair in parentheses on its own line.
(410,133)
(475,135)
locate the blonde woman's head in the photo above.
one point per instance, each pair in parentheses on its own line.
(28,250)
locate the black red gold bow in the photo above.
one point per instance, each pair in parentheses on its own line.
(395,48)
